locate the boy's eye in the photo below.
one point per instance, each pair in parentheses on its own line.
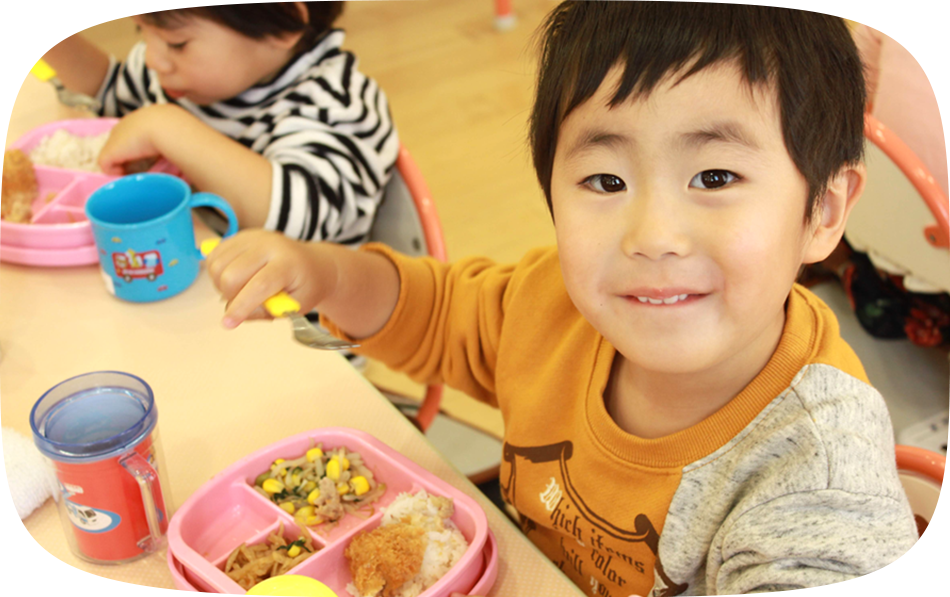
(606,183)
(712,179)
(178,46)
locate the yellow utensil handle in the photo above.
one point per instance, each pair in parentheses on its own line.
(28,59)
(281,304)
(208,245)
(278,305)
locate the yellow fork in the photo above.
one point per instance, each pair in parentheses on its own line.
(44,72)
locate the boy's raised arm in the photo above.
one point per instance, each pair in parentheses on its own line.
(79,64)
(357,290)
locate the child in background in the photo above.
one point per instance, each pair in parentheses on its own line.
(257,103)
(680,416)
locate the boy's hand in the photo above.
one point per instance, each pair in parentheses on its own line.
(30,25)
(135,138)
(254,265)
(208,159)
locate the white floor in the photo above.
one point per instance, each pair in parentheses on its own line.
(471,451)
(914,381)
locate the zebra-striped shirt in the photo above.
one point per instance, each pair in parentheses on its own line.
(324,126)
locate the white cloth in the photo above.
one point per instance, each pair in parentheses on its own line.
(31,480)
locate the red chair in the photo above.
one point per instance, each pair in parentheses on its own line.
(408,222)
(921,473)
(901,220)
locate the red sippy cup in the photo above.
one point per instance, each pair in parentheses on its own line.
(98,432)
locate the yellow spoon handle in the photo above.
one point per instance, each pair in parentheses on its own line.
(278,305)
(28,59)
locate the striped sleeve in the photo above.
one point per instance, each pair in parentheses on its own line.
(332,154)
(128,85)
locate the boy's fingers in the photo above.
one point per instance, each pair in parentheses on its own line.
(240,270)
(258,313)
(258,289)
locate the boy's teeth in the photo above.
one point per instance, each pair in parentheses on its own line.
(666,301)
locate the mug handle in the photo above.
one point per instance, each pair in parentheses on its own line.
(212,200)
(147,479)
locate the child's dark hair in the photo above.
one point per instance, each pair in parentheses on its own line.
(261,20)
(809,58)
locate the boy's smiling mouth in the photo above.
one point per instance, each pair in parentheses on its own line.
(663,298)
(667,301)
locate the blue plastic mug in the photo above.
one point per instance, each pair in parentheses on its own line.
(145,235)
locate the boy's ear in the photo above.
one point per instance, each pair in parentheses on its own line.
(831,215)
(289,40)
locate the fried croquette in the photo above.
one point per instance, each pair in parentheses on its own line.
(19,187)
(414,546)
(382,560)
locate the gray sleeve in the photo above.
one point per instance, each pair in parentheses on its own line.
(811,538)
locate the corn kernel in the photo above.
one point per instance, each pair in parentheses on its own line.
(309,486)
(295,479)
(273,467)
(342,488)
(305,511)
(360,485)
(345,463)
(333,469)
(288,507)
(313,520)
(313,454)
(294,551)
(272,486)
(313,496)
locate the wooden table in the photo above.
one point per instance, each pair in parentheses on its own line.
(220,394)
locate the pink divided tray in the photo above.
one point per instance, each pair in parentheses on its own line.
(227,511)
(59,233)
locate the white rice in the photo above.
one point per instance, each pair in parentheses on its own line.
(446,544)
(62,149)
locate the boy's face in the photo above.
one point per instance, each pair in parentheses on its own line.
(206,62)
(680,222)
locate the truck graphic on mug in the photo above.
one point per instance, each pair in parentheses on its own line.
(131,265)
(91,520)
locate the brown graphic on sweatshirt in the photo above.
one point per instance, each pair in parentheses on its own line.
(561,452)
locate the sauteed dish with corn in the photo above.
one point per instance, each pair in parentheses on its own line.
(320,486)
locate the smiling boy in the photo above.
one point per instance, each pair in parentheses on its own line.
(680,417)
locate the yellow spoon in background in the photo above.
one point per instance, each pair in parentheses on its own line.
(284,305)
(44,72)
(292,585)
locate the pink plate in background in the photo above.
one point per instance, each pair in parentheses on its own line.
(227,511)
(59,234)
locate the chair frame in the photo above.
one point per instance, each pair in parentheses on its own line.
(923,462)
(937,234)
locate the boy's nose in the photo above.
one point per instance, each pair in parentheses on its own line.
(654,227)
(156,58)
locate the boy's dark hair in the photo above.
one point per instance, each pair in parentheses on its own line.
(261,20)
(810,59)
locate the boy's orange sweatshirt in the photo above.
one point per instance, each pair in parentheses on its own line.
(792,484)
